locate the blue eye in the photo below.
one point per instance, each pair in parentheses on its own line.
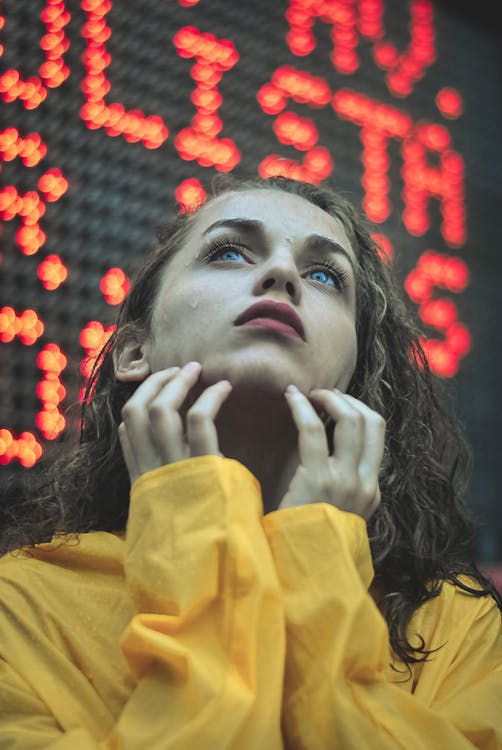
(321,272)
(223,245)
(338,276)
(223,251)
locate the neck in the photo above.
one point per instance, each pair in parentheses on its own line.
(256,428)
(258,431)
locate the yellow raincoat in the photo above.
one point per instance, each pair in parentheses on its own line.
(209,626)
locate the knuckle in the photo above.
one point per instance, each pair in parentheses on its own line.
(357,418)
(313,428)
(155,410)
(127,411)
(367,488)
(195,416)
(348,487)
(353,415)
(326,487)
(379,421)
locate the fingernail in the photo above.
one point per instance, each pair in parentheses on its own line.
(292,389)
(192,366)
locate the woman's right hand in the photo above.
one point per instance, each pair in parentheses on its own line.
(152,432)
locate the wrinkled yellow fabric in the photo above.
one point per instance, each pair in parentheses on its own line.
(208,625)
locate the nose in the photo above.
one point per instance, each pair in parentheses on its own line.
(280,273)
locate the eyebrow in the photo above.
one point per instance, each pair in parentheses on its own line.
(313,241)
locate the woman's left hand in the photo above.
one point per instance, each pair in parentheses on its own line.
(347,479)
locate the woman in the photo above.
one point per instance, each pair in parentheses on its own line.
(294,567)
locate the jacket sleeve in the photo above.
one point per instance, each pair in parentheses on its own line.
(207,643)
(339,690)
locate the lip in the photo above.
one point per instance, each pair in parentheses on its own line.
(270,312)
(273,325)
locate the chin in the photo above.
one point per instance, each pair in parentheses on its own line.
(252,372)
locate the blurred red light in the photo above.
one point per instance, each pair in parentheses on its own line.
(27,326)
(317,165)
(442,360)
(114,286)
(449,102)
(459,339)
(92,338)
(26,448)
(438,313)
(296,131)
(52,272)
(190,195)
(383,246)
(385,55)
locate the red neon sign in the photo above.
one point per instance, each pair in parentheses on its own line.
(430,167)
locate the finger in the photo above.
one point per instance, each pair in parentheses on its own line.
(312,442)
(165,422)
(374,443)
(135,417)
(128,453)
(151,386)
(349,432)
(202,435)
(368,468)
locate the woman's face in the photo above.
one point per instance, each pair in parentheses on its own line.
(274,245)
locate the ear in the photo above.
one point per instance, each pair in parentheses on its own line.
(131,363)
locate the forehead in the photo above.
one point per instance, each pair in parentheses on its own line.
(283,215)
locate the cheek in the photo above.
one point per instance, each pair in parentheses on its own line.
(183,321)
(179,303)
(340,355)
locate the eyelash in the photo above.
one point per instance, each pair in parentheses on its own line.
(339,276)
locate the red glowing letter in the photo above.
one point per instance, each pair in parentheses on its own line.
(290,129)
(350,19)
(49,420)
(114,118)
(378,123)
(423,181)
(435,270)
(52,72)
(213,57)
(51,391)
(28,206)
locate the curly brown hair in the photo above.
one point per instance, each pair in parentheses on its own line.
(422,533)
